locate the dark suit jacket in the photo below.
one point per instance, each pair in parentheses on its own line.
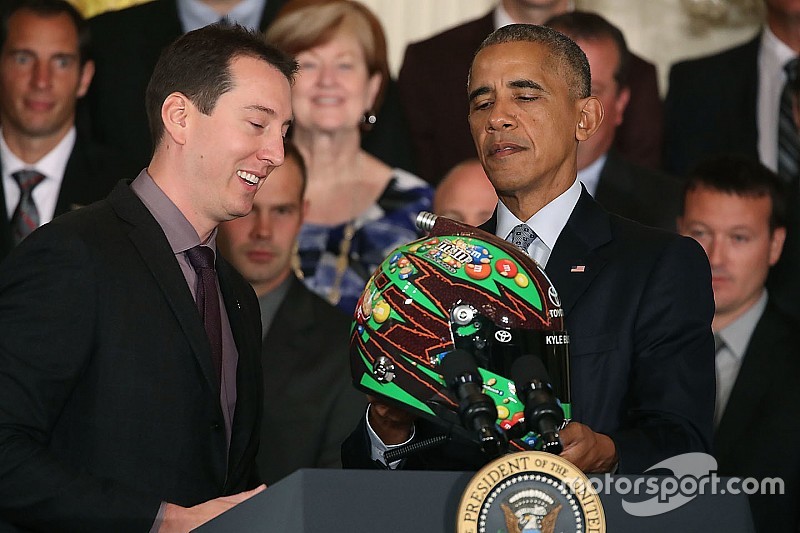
(310,404)
(641,348)
(433,91)
(710,107)
(108,404)
(647,196)
(88,177)
(710,110)
(759,432)
(126,45)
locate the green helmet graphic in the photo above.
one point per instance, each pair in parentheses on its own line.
(459,288)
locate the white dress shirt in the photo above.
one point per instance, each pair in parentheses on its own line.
(52,166)
(590,176)
(773,54)
(547,222)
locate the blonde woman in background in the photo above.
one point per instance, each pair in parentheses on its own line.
(359,207)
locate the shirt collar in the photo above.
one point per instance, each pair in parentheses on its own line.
(548,222)
(195,14)
(737,334)
(179,231)
(590,176)
(52,165)
(774,53)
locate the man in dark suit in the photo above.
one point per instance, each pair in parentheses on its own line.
(434,74)
(735,209)
(310,404)
(44,70)
(637,301)
(130,395)
(729,102)
(127,44)
(621,187)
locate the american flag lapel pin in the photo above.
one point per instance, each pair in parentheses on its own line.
(578,268)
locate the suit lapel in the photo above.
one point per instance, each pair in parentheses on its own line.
(248,371)
(77,179)
(579,245)
(752,381)
(577,256)
(149,239)
(5,223)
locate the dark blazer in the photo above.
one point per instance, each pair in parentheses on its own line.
(710,107)
(108,404)
(310,404)
(647,196)
(759,431)
(88,177)
(126,45)
(711,110)
(641,348)
(433,91)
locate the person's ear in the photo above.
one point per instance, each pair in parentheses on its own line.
(174,113)
(87,73)
(590,117)
(776,244)
(621,103)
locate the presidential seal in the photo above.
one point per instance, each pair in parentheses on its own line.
(528,492)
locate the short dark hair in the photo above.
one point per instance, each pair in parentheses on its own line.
(563,50)
(198,65)
(741,176)
(51,8)
(593,27)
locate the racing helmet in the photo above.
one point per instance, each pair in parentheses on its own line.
(459,288)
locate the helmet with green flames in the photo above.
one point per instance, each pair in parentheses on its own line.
(458,288)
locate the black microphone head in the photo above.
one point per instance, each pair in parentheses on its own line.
(458,363)
(527,368)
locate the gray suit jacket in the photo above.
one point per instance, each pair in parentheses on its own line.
(310,404)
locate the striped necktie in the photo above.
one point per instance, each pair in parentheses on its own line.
(788,141)
(26,217)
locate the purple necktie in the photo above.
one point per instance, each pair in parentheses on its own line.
(207,298)
(26,217)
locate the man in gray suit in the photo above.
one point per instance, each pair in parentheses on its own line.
(734,208)
(310,404)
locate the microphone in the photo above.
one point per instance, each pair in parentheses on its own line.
(477,411)
(543,414)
